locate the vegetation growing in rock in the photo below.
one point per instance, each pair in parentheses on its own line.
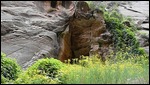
(122,29)
(123,34)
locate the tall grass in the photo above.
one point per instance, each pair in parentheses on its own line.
(123,72)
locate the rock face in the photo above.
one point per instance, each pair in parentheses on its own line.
(65,51)
(84,34)
(27,34)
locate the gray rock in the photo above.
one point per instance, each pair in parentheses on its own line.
(17,4)
(147,50)
(143,39)
(145,26)
(140,15)
(27,33)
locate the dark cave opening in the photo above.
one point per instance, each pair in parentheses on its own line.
(53,4)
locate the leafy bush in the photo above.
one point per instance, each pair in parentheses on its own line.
(9,67)
(43,71)
(123,36)
(48,67)
(24,78)
(3,79)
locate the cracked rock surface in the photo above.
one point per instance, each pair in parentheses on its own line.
(27,34)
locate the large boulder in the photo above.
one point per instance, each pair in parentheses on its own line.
(27,33)
(85,32)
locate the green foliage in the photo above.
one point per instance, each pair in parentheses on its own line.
(84,61)
(123,36)
(117,72)
(3,79)
(141,50)
(9,68)
(67,71)
(3,55)
(88,71)
(43,71)
(48,67)
(122,56)
(24,78)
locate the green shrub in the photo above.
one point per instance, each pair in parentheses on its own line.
(123,36)
(24,78)
(43,71)
(9,68)
(48,67)
(141,50)
(3,79)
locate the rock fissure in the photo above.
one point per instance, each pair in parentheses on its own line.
(83,33)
